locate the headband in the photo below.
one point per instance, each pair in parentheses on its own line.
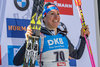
(49,8)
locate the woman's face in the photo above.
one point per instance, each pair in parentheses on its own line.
(52,19)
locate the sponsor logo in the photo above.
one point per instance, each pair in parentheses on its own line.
(12,50)
(16,28)
(55,41)
(21,4)
(65,6)
(72,62)
(61,64)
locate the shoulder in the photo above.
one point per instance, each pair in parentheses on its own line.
(44,30)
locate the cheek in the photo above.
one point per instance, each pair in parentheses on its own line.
(49,18)
(55,24)
(58,18)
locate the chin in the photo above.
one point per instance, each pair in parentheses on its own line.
(55,26)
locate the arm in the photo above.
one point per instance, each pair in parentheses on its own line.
(19,57)
(77,53)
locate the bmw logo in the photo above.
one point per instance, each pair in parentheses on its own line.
(21,4)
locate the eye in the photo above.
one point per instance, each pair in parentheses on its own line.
(57,13)
(52,13)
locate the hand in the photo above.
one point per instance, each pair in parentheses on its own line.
(85,31)
(28,32)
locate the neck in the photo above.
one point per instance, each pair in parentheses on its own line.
(55,30)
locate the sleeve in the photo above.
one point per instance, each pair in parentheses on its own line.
(19,57)
(77,53)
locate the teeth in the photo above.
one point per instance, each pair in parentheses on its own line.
(55,20)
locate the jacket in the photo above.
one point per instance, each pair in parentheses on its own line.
(74,53)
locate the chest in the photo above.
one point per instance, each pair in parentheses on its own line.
(54,42)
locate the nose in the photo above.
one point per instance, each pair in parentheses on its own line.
(56,16)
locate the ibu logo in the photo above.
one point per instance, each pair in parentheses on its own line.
(55,41)
(12,50)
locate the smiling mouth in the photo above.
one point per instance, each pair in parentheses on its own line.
(55,21)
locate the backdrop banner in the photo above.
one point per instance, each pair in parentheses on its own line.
(15,17)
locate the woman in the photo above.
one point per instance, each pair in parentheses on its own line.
(56,46)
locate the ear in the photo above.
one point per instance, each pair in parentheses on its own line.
(44,20)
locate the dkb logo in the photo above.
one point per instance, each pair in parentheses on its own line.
(55,41)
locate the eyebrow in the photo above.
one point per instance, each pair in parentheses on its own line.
(53,11)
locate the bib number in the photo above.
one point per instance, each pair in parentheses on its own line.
(59,56)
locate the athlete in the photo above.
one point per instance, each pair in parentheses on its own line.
(56,46)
